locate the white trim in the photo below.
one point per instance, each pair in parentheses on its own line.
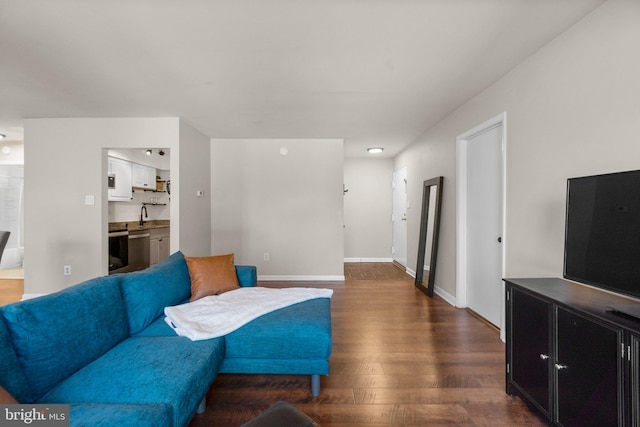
(445,295)
(30,296)
(411,272)
(269,278)
(368,260)
(403,170)
(461,223)
(461,210)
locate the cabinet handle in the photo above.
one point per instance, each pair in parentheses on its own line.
(543,356)
(560,367)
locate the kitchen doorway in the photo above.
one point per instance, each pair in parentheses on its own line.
(139,215)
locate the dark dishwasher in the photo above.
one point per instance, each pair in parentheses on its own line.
(138,250)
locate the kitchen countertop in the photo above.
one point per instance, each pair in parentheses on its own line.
(135,225)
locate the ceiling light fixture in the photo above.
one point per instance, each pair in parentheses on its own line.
(149,152)
(2,136)
(375,150)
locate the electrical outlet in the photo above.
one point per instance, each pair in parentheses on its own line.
(266,256)
(67,270)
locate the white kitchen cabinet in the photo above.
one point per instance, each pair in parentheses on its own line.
(143,177)
(122,170)
(158,245)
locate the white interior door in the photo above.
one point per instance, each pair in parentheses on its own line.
(480,226)
(399,217)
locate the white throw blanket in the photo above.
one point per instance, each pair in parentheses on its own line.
(218,315)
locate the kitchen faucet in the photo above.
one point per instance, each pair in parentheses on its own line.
(146,215)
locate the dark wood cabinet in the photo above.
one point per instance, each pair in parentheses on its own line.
(569,357)
(530,341)
(587,368)
(634,379)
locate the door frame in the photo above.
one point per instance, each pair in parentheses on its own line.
(462,141)
(404,170)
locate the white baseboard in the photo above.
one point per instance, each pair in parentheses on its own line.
(30,296)
(301,278)
(445,295)
(368,260)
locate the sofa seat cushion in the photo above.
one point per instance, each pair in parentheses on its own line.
(300,331)
(139,370)
(146,293)
(109,415)
(58,334)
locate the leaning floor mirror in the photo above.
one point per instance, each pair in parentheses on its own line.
(429,232)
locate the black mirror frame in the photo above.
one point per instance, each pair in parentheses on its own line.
(422,243)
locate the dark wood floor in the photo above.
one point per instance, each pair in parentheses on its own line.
(399,358)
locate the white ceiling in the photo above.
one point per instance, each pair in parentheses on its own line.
(374,72)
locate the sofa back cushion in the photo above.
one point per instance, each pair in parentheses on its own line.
(247,275)
(11,376)
(57,334)
(146,293)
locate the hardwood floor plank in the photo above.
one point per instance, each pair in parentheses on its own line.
(11,290)
(399,359)
(385,396)
(391,415)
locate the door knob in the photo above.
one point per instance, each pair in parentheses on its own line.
(543,356)
(560,367)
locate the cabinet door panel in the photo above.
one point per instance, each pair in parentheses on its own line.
(122,171)
(587,370)
(635,380)
(143,176)
(530,332)
(163,248)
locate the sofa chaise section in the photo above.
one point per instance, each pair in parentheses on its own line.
(291,340)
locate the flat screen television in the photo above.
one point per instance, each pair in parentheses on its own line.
(602,232)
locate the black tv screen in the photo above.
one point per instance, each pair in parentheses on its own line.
(602,231)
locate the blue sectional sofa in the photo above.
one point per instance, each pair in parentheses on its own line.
(103,347)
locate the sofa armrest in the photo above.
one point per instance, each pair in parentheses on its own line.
(247,275)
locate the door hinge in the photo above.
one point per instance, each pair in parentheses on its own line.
(508,295)
(629,353)
(508,368)
(622,350)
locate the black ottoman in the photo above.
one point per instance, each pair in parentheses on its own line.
(282,414)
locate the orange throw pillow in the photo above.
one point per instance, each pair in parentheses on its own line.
(211,275)
(6,398)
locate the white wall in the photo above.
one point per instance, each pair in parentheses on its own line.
(66,160)
(572,110)
(195,176)
(289,206)
(367,209)
(15,155)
